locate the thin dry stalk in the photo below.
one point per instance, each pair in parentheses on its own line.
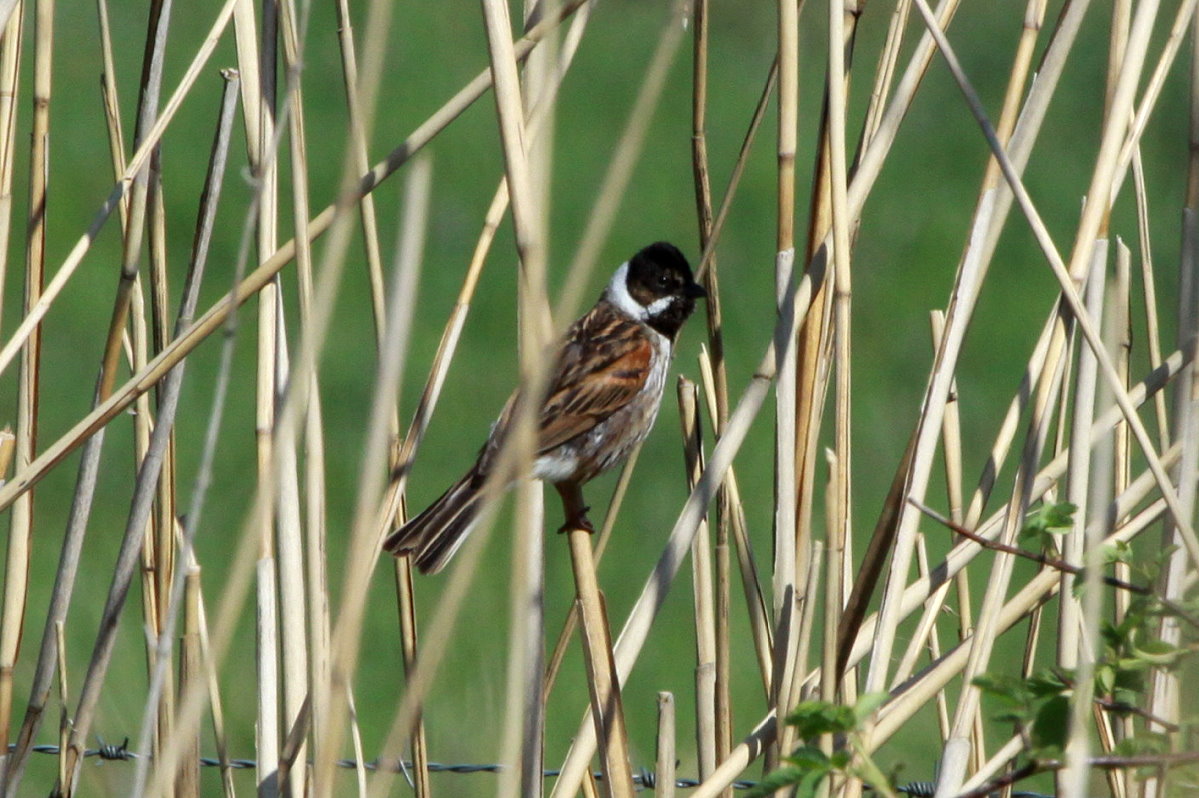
(833,593)
(951,449)
(10,56)
(1121,456)
(370,227)
(191,671)
(406,601)
(755,603)
(256,62)
(703,600)
(842,300)
(703,204)
(526,665)
(21,531)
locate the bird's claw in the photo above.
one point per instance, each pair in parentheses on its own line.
(578,521)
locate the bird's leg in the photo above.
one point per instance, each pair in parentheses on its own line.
(573,507)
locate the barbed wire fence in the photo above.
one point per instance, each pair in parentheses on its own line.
(642,779)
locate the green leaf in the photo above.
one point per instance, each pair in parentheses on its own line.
(813,718)
(1048,520)
(809,757)
(1051,727)
(784,777)
(1143,744)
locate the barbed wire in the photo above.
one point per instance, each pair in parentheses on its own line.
(645,779)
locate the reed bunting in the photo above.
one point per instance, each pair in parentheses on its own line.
(603,396)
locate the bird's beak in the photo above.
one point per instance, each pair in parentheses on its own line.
(695,291)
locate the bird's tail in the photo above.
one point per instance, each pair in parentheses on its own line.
(434,535)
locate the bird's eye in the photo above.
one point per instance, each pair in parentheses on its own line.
(663,281)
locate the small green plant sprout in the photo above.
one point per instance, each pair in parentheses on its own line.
(1046,522)
(808,766)
(1038,706)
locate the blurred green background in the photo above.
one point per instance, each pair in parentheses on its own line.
(912,232)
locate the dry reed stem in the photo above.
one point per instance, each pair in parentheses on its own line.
(1165,699)
(1079,471)
(20,537)
(406,601)
(838,76)
(10,54)
(10,627)
(951,448)
(703,600)
(601,544)
(884,73)
(703,205)
(370,231)
(869,164)
(1086,489)
(525,666)
(833,594)
(664,769)
(191,671)
(145,490)
(298,601)
(374,266)
(786,557)
(755,603)
(256,62)
(1121,462)
(603,681)
(745,752)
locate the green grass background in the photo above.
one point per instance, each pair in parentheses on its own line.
(912,233)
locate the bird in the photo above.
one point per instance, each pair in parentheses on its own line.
(603,395)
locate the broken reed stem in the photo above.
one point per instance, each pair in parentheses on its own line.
(602,679)
(664,770)
(703,600)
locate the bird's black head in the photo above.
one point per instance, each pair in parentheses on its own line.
(659,282)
